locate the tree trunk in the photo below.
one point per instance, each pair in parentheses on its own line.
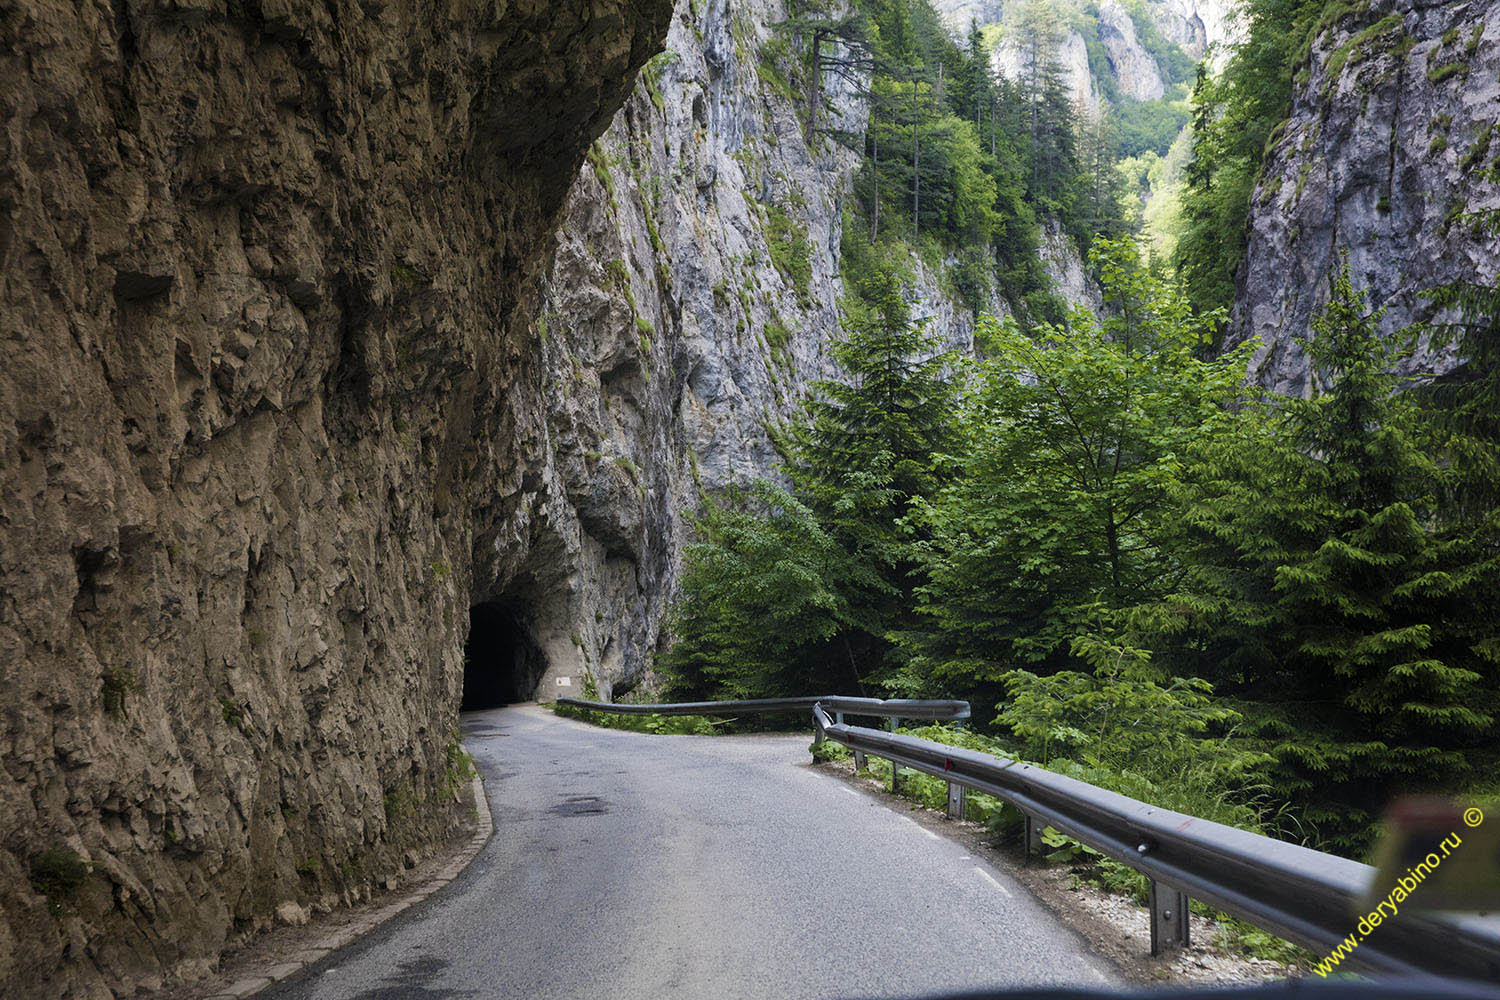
(814,86)
(916,166)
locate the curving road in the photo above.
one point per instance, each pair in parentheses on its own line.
(634,867)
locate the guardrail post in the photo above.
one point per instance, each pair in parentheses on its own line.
(957,794)
(891,723)
(859,760)
(1033,837)
(1169,919)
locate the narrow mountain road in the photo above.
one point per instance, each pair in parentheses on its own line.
(634,867)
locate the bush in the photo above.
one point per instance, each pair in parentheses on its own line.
(656,725)
(58,873)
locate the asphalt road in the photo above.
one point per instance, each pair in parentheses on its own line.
(633,867)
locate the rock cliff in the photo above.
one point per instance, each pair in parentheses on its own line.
(346,376)
(1389,145)
(690,304)
(1134,68)
(1133,71)
(273,415)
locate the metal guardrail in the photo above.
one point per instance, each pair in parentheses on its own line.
(1305,896)
(900,708)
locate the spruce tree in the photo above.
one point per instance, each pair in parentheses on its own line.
(786,592)
(1329,586)
(871,445)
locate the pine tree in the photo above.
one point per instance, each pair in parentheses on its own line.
(1099,209)
(1049,119)
(757,615)
(789,592)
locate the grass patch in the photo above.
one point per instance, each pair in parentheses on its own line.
(117,685)
(656,725)
(790,253)
(1437,74)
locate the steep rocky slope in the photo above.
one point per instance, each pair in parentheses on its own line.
(1387,147)
(272,417)
(691,302)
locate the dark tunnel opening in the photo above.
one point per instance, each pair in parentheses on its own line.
(502,663)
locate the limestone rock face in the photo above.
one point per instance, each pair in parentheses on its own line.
(273,415)
(1196,25)
(1134,68)
(691,302)
(1072,56)
(1386,151)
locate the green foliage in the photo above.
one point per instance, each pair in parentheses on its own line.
(655,725)
(1127,727)
(757,608)
(118,684)
(1446,71)
(58,873)
(1144,126)
(236,714)
(1234,117)
(824,751)
(1176,65)
(778,339)
(1273,613)
(458,766)
(786,591)
(1063,492)
(967,162)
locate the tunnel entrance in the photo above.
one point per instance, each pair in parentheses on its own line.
(502,663)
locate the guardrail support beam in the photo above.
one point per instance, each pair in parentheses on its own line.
(891,723)
(1169,919)
(859,761)
(1033,837)
(957,794)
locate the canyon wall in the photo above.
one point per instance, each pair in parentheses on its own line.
(1387,154)
(690,305)
(273,415)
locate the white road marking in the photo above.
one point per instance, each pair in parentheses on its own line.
(991,880)
(845,788)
